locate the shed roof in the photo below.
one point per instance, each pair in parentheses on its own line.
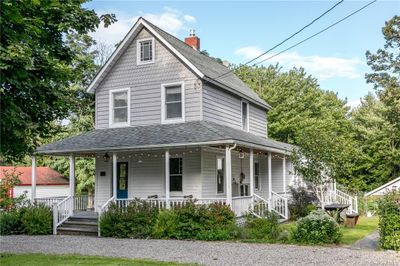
(45,176)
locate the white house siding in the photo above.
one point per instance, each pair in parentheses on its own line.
(224,108)
(145,83)
(42,191)
(103,183)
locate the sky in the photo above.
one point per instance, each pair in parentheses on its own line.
(240,30)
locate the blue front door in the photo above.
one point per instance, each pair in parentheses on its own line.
(122,180)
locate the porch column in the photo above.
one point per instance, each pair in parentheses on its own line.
(251,172)
(72,175)
(114,174)
(269,181)
(228,173)
(284,173)
(167,179)
(33,192)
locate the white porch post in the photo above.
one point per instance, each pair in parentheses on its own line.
(269,181)
(72,175)
(284,173)
(251,172)
(167,179)
(33,192)
(228,173)
(114,174)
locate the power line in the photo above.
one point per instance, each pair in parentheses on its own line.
(288,38)
(321,31)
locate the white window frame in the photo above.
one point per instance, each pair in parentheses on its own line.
(111,108)
(164,119)
(259,175)
(248,115)
(216,175)
(177,193)
(138,51)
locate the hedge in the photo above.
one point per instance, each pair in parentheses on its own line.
(389,221)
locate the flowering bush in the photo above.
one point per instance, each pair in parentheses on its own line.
(317,228)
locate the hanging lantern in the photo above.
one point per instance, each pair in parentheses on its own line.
(106,157)
(241,154)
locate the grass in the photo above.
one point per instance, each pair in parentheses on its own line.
(364,227)
(64,260)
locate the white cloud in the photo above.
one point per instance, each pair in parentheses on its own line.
(170,20)
(189,18)
(323,67)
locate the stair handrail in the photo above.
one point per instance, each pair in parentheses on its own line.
(263,205)
(62,211)
(280,210)
(102,208)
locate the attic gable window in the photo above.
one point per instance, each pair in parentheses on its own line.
(119,107)
(173,103)
(145,51)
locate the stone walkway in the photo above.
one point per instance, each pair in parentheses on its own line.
(206,253)
(370,242)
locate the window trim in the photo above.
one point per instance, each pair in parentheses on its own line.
(175,193)
(216,175)
(165,120)
(248,115)
(259,176)
(111,108)
(138,52)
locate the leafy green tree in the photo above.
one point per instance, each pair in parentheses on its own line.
(36,68)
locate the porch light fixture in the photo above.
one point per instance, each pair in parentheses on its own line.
(106,157)
(241,154)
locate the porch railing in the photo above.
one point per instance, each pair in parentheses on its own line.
(62,211)
(259,206)
(49,201)
(279,204)
(241,205)
(341,197)
(162,203)
(83,202)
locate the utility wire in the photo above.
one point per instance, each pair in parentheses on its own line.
(321,31)
(288,38)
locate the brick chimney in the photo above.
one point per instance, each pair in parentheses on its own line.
(193,40)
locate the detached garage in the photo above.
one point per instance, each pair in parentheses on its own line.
(49,183)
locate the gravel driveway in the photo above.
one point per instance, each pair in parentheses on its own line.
(208,253)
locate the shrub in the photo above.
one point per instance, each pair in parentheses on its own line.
(264,228)
(301,202)
(10,223)
(317,228)
(135,221)
(194,221)
(36,219)
(389,221)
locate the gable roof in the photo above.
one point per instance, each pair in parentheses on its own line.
(203,66)
(383,187)
(45,176)
(159,136)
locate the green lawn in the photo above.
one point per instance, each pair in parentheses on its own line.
(63,260)
(364,227)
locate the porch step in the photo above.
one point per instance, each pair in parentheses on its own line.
(79,225)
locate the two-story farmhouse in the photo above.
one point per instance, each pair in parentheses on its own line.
(174,124)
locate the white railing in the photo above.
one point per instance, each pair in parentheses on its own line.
(279,205)
(83,202)
(162,203)
(50,201)
(62,211)
(340,197)
(259,206)
(241,205)
(103,208)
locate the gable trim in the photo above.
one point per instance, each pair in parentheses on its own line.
(382,187)
(110,62)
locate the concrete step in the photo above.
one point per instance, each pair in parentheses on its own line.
(77,231)
(80,222)
(83,219)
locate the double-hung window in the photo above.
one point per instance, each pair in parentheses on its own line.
(175,174)
(220,175)
(145,51)
(245,115)
(119,107)
(257,183)
(173,103)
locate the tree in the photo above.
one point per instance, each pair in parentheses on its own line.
(36,68)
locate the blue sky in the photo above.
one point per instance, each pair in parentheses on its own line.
(239,30)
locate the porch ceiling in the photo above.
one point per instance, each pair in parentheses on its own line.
(188,134)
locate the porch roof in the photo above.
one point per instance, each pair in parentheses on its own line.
(159,136)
